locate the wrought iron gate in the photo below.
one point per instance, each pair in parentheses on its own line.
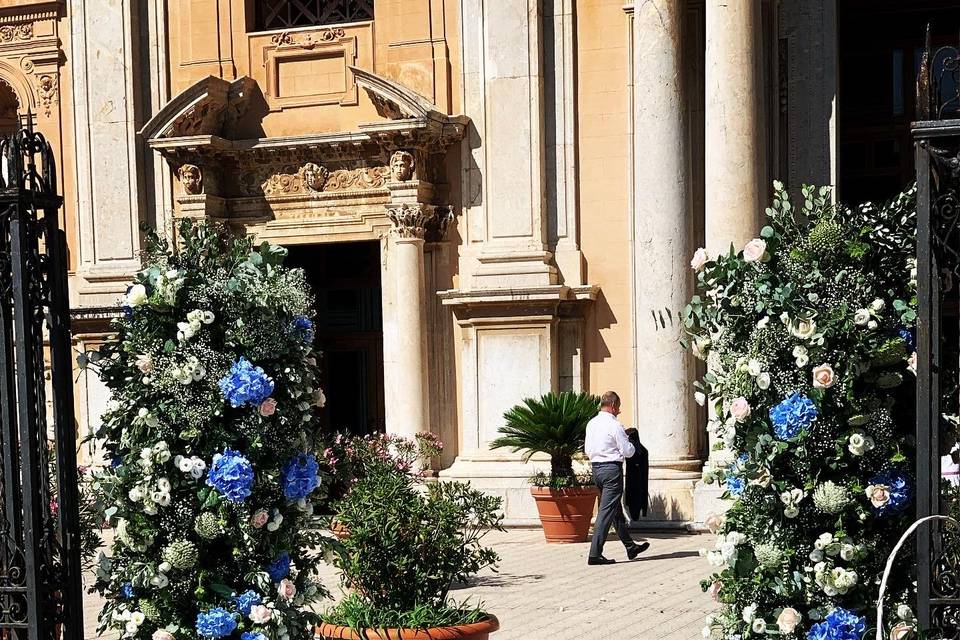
(936,136)
(40,588)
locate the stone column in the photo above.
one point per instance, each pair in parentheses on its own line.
(663,246)
(405,372)
(735,168)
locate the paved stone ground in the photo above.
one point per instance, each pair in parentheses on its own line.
(547,592)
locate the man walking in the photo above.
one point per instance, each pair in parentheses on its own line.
(607,445)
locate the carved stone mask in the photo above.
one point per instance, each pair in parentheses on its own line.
(191,179)
(401,166)
(314,176)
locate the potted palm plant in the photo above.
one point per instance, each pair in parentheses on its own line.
(555,424)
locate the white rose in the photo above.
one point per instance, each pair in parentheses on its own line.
(137,617)
(879,494)
(131,627)
(872,324)
(137,295)
(740,409)
(799,350)
(754,367)
(749,613)
(135,494)
(824,377)
(700,398)
(904,612)
(861,317)
(755,250)
(259,614)
(877,305)
(788,620)
(763,380)
(803,360)
(699,259)
(848,552)
(165,567)
(759,626)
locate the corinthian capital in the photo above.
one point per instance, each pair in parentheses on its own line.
(410,220)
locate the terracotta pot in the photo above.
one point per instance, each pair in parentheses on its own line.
(476,631)
(339,530)
(565,513)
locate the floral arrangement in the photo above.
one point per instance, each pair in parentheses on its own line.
(211,432)
(807,334)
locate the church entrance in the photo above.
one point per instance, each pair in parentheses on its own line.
(345,278)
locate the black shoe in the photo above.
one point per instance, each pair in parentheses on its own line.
(637,549)
(600,560)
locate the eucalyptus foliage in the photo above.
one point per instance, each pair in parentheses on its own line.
(210,432)
(808,339)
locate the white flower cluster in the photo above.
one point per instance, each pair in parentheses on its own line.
(835,581)
(168,285)
(860,443)
(133,620)
(192,466)
(791,501)
(152,496)
(122,534)
(828,546)
(191,371)
(195,320)
(725,549)
(146,418)
(157,454)
(867,317)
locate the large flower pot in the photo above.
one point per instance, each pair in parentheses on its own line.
(476,631)
(565,513)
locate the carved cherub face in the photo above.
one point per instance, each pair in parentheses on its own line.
(401,166)
(314,176)
(190,179)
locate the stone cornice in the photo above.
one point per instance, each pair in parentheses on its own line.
(32,12)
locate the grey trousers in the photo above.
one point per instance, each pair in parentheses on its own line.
(608,476)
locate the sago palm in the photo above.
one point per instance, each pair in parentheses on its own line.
(555,424)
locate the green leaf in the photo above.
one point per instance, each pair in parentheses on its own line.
(767,232)
(222,589)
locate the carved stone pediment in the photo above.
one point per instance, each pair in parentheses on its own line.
(209,107)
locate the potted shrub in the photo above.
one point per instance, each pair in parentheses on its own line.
(348,459)
(555,424)
(408,543)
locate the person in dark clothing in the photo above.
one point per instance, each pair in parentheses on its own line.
(636,496)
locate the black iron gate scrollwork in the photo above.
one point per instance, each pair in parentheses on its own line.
(40,582)
(936,136)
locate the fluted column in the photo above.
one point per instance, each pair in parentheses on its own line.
(405,370)
(735,173)
(663,248)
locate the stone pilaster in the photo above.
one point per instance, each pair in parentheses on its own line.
(663,244)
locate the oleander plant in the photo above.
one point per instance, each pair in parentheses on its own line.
(213,483)
(808,339)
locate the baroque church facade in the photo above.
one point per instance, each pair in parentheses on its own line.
(492,199)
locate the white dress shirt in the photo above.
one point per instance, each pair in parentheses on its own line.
(606,440)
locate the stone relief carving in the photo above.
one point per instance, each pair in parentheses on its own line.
(191,179)
(410,221)
(307,40)
(402,166)
(11,32)
(287,179)
(364,178)
(313,176)
(47,92)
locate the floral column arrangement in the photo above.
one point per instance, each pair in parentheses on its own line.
(808,337)
(213,481)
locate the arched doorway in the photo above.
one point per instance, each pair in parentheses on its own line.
(9,108)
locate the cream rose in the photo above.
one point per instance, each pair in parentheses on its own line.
(902,631)
(755,250)
(879,494)
(137,295)
(824,377)
(788,620)
(861,317)
(740,409)
(803,328)
(162,634)
(713,522)
(763,380)
(286,589)
(699,259)
(259,614)
(268,407)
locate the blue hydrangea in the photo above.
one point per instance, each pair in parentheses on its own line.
(907,337)
(231,475)
(127,590)
(303,328)
(246,384)
(246,601)
(793,416)
(841,624)
(299,476)
(215,623)
(252,635)
(280,567)
(901,491)
(736,485)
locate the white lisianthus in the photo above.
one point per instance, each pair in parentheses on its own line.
(749,613)
(759,626)
(754,367)
(859,443)
(861,317)
(137,617)
(763,381)
(877,305)
(131,627)
(848,552)
(699,259)
(755,251)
